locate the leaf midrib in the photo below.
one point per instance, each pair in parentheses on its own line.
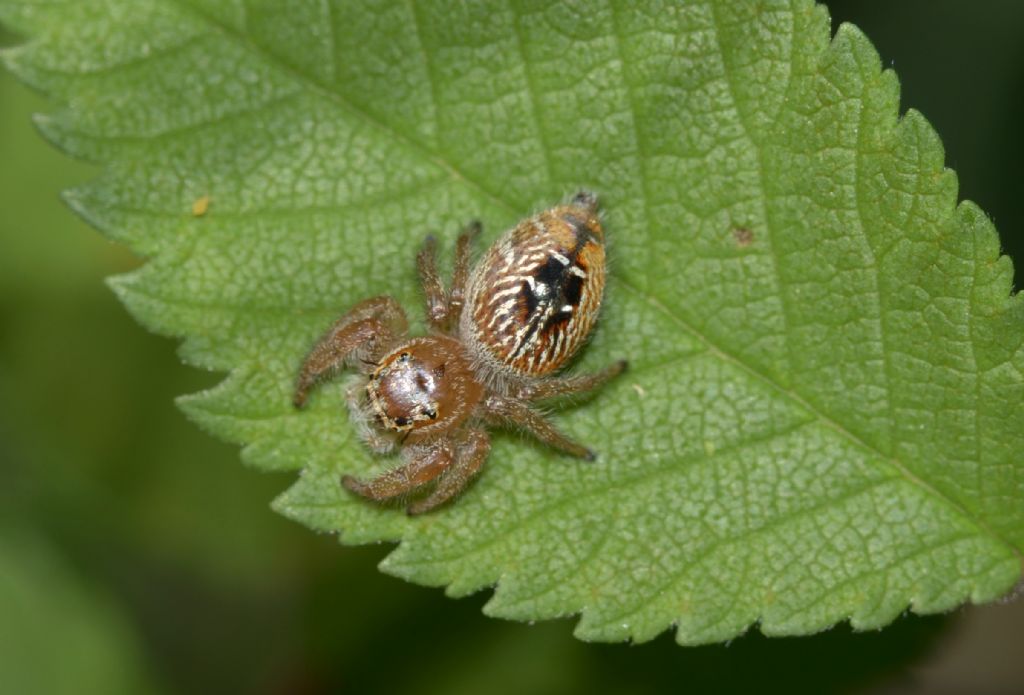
(513,209)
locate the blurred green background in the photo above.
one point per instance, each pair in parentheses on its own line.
(139,555)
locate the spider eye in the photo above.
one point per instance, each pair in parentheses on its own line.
(402,421)
(432,414)
(404,357)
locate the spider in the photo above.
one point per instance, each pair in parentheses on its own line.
(497,337)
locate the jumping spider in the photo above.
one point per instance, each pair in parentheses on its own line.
(496,337)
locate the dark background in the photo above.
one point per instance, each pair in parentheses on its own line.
(138,555)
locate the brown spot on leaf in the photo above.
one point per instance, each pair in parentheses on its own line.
(744,237)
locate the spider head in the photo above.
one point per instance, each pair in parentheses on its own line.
(423,385)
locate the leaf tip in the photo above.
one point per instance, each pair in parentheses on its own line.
(282,505)
(58,131)
(119,284)
(9,57)
(76,200)
(123,287)
(849,33)
(192,405)
(42,121)
(48,126)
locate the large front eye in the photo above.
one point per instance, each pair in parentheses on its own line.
(430,413)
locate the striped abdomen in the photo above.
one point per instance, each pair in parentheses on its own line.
(534,297)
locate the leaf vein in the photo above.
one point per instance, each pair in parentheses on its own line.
(619,486)
(882,570)
(531,94)
(773,524)
(830,422)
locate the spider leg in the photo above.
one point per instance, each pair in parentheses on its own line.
(364,332)
(460,275)
(469,459)
(567,385)
(424,463)
(512,411)
(361,418)
(433,288)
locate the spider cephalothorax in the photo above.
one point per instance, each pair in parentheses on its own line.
(497,337)
(423,386)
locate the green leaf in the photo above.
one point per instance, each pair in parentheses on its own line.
(823,418)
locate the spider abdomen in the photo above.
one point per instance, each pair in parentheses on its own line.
(534,297)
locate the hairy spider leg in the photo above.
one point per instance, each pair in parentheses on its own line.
(362,418)
(469,459)
(433,289)
(512,411)
(360,337)
(460,273)
(569,385)
(442,307)
(423,463)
